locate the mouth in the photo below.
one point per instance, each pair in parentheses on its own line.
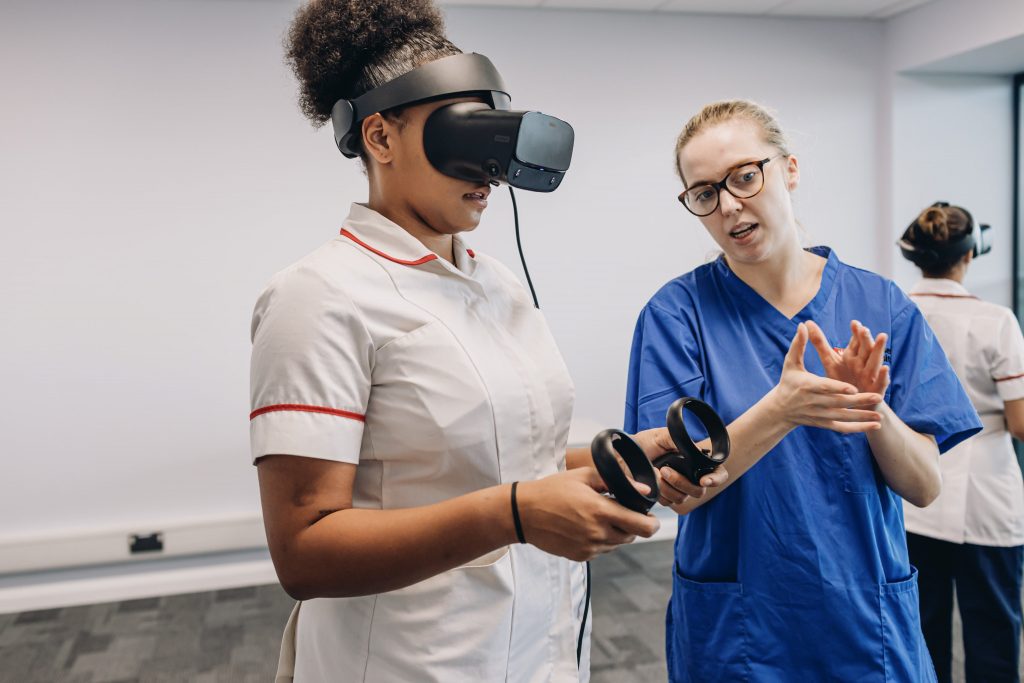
(743,230)
(478,197)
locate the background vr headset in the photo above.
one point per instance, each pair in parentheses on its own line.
(480,142)
(925,252)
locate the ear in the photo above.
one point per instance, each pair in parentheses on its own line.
(377,140)
(792,173)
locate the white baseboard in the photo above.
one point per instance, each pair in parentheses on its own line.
(66,571)
(131,581)
(178,539)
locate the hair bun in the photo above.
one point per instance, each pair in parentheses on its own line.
(933,223)
(331,43)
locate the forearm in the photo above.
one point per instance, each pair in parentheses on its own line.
(578,457)
(751,436)
(909,461)
(356,551)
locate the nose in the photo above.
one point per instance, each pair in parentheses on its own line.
(728,204)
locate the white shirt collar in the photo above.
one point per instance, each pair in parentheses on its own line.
(375,233)
(941,287)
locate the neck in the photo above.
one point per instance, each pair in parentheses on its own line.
(787,271)
(409,220)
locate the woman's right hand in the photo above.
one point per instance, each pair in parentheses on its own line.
(803,398)
(565,514)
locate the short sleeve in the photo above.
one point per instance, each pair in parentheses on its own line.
(664,364)
(310,373)
(926,393)
(1008,359)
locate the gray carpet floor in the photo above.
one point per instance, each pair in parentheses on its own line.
(232,636)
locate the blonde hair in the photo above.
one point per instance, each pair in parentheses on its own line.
(727,110)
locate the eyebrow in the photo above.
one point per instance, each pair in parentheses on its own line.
(698,183)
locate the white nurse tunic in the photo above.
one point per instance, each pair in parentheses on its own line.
(982,499)
(436,380)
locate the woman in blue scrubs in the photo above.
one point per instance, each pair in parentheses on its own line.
(797,569)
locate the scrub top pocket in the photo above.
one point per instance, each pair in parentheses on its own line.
(707,635)
(906,657)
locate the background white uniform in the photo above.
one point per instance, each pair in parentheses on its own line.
(982,499)
(436,380)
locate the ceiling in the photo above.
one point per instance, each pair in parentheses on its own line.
(852,9)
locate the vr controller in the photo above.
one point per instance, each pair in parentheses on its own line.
(690,461)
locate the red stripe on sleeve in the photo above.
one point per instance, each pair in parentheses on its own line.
(306,409)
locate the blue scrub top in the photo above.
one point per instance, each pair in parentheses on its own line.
(798,571)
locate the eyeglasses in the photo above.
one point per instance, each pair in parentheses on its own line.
(743,182)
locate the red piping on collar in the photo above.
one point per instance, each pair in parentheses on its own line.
(472,254)
(364,245)
(1007,379)
(945,296)
(306,409)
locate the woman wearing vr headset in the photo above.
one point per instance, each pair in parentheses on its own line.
(972,537)
(401,384)
(797,569)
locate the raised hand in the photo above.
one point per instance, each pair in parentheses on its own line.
(860,364)
(803,398)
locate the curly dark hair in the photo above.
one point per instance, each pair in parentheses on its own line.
(344,48)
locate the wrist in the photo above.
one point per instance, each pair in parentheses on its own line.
(517,522)
(499,516)
(773,410)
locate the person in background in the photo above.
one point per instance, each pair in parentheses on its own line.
(971,539)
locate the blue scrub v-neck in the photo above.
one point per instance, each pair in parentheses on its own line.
(761,308)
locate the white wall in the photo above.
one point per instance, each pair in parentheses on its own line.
(156,172)
(953,142)
(948,133)
(941,30)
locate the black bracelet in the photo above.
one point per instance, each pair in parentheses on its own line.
(515,514)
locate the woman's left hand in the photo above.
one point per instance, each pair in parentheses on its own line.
(860,363)
(674,487)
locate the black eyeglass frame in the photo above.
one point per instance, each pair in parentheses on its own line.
(722,185)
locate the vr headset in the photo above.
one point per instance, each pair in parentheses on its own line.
(925,252)
(482,142)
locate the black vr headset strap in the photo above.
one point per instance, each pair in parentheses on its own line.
(452,76)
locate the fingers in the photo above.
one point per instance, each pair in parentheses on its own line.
(883,376)
(825,385)
(618,537)
(850,415)
(641,487)
(820,342)
(630,522)
(852,427)
(866,400)
(677,487)
(589,476)
(655,442)
(797,348)
(874,363)
(716,479)
(854,346)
